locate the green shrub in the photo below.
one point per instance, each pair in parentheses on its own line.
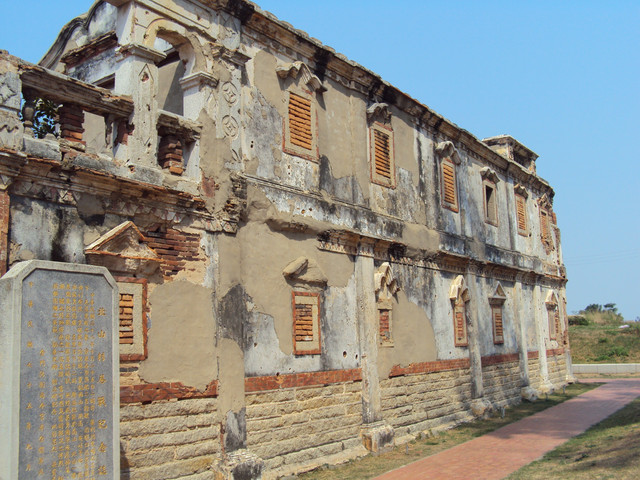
(578,320)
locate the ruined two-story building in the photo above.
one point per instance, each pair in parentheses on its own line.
(310,262)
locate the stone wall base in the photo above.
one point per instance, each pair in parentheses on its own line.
(377,437)
(239,465)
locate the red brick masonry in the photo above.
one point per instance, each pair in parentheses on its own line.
(275,382)
(149,392)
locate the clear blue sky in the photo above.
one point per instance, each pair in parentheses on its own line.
(561,77)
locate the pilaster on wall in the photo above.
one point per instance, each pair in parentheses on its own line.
(475,362)
(376,434)
(521,332)
(5,204)
(545,383)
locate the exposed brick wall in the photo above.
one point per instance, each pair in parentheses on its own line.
(275,382)
(300,424)
(5,204)
(126,318)
(429,367)
(148,392)
(71,120)
(175,248)
(169,439)
(170,153)
(416,402)
(497,359)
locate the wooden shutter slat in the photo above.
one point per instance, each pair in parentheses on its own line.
(448,175)
(300,132)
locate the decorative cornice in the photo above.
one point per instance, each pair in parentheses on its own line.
(141,51)
(198,79)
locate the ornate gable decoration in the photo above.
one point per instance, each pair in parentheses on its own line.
(498,297)
(304,271)
(123,250)
(379,111)
(521,190)
(551,301)
(544,202)
(385,283)
(448,150)
(300,69)
(459,290)
(488,174)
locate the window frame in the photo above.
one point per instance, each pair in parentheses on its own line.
(290,146)
(313,346)
(490,204)
(519,198)
(376,177)
(454,205)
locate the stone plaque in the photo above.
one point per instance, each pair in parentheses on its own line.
(59,410)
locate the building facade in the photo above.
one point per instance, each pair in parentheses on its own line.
(311,263)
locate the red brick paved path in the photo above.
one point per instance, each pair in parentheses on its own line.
(503,451)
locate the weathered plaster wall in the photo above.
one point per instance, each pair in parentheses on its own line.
(181,336)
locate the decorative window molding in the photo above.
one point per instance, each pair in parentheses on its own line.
(459,296)
(301,72)
(381,152)
(496,301)
(123,250)
(553,315)
(546,216)
(306,323)
(386,287)
(379,112)
(448,183)
(133,318)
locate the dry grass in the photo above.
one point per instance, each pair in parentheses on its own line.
(373,465)
(604,343)
(608,450)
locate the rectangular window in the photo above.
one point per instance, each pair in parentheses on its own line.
(498,334)
(490,203)
(306,323)
(460,325)
(449,190)
(521,214)
(381,150)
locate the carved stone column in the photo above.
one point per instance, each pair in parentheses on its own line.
(11,130)
(137,75)
(5,205)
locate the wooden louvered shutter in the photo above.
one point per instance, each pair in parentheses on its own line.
(498,334)
(544,224)
(449,184)
(385,325)
(521,214)
(300,131)
(382,153)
